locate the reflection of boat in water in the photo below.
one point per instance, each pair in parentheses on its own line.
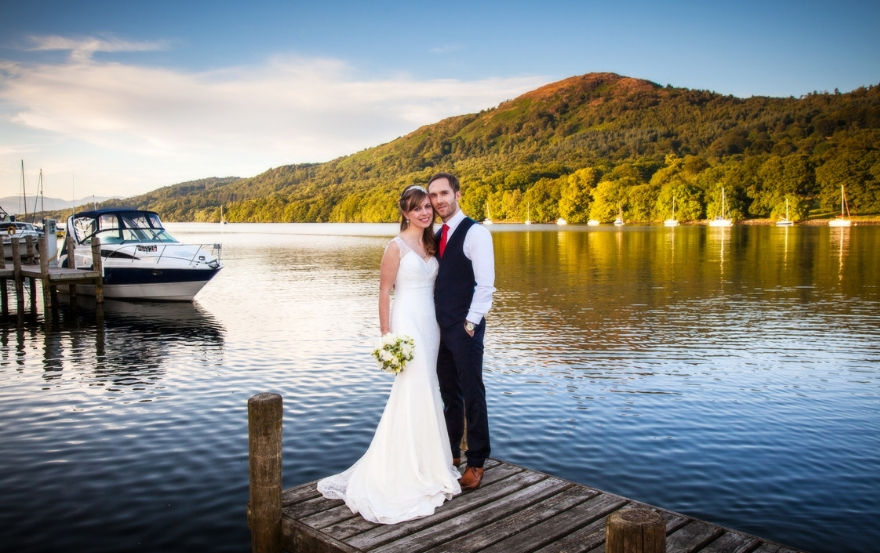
(141,259)
(135,342)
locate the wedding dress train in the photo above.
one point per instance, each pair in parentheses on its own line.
(407,471)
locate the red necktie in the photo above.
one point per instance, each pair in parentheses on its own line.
(443,232)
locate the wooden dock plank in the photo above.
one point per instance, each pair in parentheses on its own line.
(506,527)
(589,538)
(380,535)
(767,548)
(458,526)
(299,493)
(692,537)
(487,492)
(515,510)
(557,527)
(732,542)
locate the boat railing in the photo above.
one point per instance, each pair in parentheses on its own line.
(138,249)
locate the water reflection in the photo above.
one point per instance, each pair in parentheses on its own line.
(120,345)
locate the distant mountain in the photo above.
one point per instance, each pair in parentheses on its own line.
(12,203)
(585,147)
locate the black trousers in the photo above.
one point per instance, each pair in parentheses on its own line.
(460,372)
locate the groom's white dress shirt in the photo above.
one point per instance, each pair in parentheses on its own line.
(477,248)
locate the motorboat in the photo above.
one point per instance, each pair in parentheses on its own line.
(141,260)
(843,219)
(21,230)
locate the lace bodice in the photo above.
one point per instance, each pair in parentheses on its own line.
(415,272)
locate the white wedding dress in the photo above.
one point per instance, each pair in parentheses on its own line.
(407,471)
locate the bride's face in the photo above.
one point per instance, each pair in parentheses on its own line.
(422,215)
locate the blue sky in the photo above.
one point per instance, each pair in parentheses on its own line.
(118,98)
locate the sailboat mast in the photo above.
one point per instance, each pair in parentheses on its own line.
(23,194)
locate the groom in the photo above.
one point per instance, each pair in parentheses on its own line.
(462,297)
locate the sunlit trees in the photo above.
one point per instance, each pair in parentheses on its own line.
(576,194)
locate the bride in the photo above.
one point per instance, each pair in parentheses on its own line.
(407,471)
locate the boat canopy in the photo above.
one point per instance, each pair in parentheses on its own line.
(119,226)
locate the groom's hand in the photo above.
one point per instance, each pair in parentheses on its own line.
(470,328)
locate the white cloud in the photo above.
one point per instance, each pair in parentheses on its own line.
(81,49)
(238,120)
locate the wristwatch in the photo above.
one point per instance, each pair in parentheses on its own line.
(469,326)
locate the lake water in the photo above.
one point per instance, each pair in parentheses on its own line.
(729,374)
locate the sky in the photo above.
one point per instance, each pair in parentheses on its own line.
(119,98)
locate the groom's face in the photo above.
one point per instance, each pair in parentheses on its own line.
(444,200)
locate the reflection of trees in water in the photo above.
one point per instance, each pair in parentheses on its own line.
(126,344)
(607,284)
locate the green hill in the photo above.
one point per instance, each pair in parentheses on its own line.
(585,147)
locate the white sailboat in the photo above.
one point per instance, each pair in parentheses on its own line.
(619,221)
(786,222)
(222,220)
(721,220)
(561,221)
(529,216)
(671,222)
(593,223)
(841,220)
(488,219)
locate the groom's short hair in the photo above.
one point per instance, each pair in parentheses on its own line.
(453,181)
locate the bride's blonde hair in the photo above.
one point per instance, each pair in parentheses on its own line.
(410,198)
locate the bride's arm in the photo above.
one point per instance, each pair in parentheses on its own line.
(387,275)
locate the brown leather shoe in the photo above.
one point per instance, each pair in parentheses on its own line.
(456,461)
(471,478)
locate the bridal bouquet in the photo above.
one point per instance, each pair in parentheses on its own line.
(393,352)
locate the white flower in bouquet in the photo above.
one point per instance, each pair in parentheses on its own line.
(393,352)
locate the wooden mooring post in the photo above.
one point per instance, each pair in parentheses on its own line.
(515,510)
(16,272)
(264,463)
(4,276)
(29,249)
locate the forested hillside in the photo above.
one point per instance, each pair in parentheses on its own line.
(586,147)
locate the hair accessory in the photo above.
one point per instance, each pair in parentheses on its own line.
(419,186)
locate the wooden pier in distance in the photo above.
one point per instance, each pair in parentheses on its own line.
(515,510)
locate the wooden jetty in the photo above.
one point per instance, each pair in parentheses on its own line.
(37,268)
(515,510)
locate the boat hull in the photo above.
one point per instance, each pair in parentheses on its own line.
(839,223)
(721,223)
(670,223)
(151,284)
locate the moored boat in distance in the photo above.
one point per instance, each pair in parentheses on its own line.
(593,223)
(21,230)
(786,222)
(673,222)
(843,219)
(561,221)
(721,220)
(142,261)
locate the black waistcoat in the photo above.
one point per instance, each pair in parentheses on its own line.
(455,284)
